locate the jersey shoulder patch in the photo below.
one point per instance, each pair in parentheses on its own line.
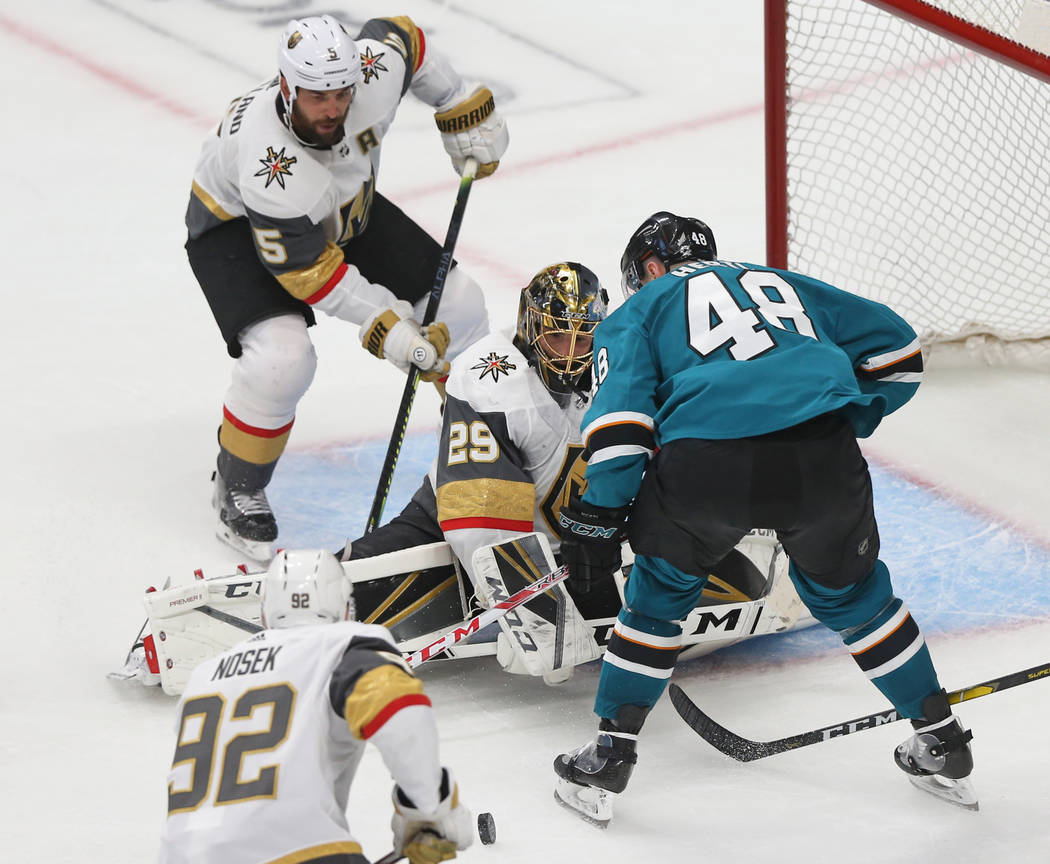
(384,65)
(492,374)
(401,34)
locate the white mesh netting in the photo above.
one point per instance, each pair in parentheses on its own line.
(917,169)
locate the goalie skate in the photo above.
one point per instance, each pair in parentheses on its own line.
(140,663)
(138,666)
(590,803)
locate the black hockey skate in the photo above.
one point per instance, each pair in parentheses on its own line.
(588,775)
(937,757)
(246,521)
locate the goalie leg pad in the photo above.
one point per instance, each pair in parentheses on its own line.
(191,623)
(548,637)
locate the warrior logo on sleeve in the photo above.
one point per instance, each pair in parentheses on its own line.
(276,166)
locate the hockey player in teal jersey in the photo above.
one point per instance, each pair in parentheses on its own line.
(726,397)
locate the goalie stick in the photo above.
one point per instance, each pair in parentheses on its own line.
(746,750)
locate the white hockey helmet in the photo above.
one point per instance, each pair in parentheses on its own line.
(306,586)
(318,53)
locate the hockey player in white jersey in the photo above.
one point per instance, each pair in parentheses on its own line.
(508,458)
(285,219)
(270,734)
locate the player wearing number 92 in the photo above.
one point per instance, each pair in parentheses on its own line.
(729,396)
(270,734)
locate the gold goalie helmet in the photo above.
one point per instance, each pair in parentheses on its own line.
(557,314)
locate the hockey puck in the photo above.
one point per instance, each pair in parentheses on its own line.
(486,828)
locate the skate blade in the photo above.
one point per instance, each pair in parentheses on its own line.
(590,804)
(958,792)
(259,551)
(135,669)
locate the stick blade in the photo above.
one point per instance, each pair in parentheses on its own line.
(741,749)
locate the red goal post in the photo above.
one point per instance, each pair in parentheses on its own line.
(908,160)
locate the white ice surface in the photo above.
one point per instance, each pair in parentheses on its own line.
(113,377)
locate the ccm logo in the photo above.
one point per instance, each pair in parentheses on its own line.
(595,532)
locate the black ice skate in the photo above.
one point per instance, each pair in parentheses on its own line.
(246,521)
(588,775)
(937,757)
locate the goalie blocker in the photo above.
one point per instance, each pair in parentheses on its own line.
(421,592)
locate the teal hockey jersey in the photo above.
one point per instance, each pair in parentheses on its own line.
(719,349)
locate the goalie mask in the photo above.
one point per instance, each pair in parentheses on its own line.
(317,53)
(306,587)
(557,314)
(671,239)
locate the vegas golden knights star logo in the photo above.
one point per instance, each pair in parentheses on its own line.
(494,365)
(294,39)
(370,65)
(276,166)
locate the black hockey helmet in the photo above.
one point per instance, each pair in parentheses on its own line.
(672,239)
(557,313)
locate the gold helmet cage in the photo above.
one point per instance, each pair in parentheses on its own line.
(557,314)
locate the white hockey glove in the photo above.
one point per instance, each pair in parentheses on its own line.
(392,333)
(427,838)
(473,127)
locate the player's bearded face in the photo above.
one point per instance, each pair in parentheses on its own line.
(318,115)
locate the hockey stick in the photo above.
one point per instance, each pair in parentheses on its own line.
(397,437)
(745,750)
(232,620)
(479,622)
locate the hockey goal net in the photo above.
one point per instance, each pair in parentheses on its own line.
(908,160)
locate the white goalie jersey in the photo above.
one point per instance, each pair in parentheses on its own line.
(269,736)
(509,455)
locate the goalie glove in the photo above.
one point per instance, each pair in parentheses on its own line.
(472,127)
(590,542)
(427,838)
(392,333)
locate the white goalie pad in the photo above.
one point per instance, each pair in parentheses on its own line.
(191,623)
(548,637)
(779,608)
(421,593)
(713,625)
